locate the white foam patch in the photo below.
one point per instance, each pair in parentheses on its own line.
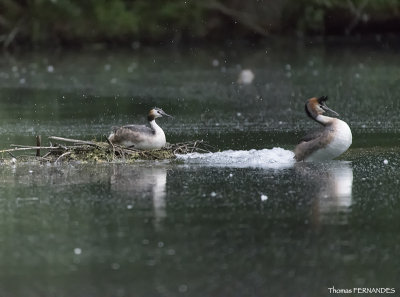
(276,158)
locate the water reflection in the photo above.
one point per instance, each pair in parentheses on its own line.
(141,182)
(331,185)
(135,187)
(112,215)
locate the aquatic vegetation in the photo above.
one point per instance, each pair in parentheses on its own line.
(93,151)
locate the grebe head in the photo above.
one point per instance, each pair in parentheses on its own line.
(317,106)
(156,113)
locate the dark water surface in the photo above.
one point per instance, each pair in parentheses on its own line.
(180,228)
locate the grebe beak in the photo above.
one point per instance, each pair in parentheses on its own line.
(165,114)
(321,101)
(326,108)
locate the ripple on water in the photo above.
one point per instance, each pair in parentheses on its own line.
(275,158)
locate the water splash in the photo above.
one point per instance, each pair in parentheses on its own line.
(276,158)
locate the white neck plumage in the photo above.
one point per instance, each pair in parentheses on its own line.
(324,120)
(154,125)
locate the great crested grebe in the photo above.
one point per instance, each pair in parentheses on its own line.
(328,142)
(141,136)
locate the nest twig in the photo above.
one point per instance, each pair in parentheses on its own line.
(92,151)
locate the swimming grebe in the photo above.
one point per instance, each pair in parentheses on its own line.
(141,136)
(329,142)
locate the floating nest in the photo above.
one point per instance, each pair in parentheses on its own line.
(66,149)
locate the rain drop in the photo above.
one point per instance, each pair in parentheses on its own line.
(115,266)
(171,252)
(246,77)
(77,251)
(183,288)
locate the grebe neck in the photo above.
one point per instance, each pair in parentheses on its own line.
(324,120)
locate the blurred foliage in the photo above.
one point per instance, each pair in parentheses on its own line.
(76,21)
(69,22)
